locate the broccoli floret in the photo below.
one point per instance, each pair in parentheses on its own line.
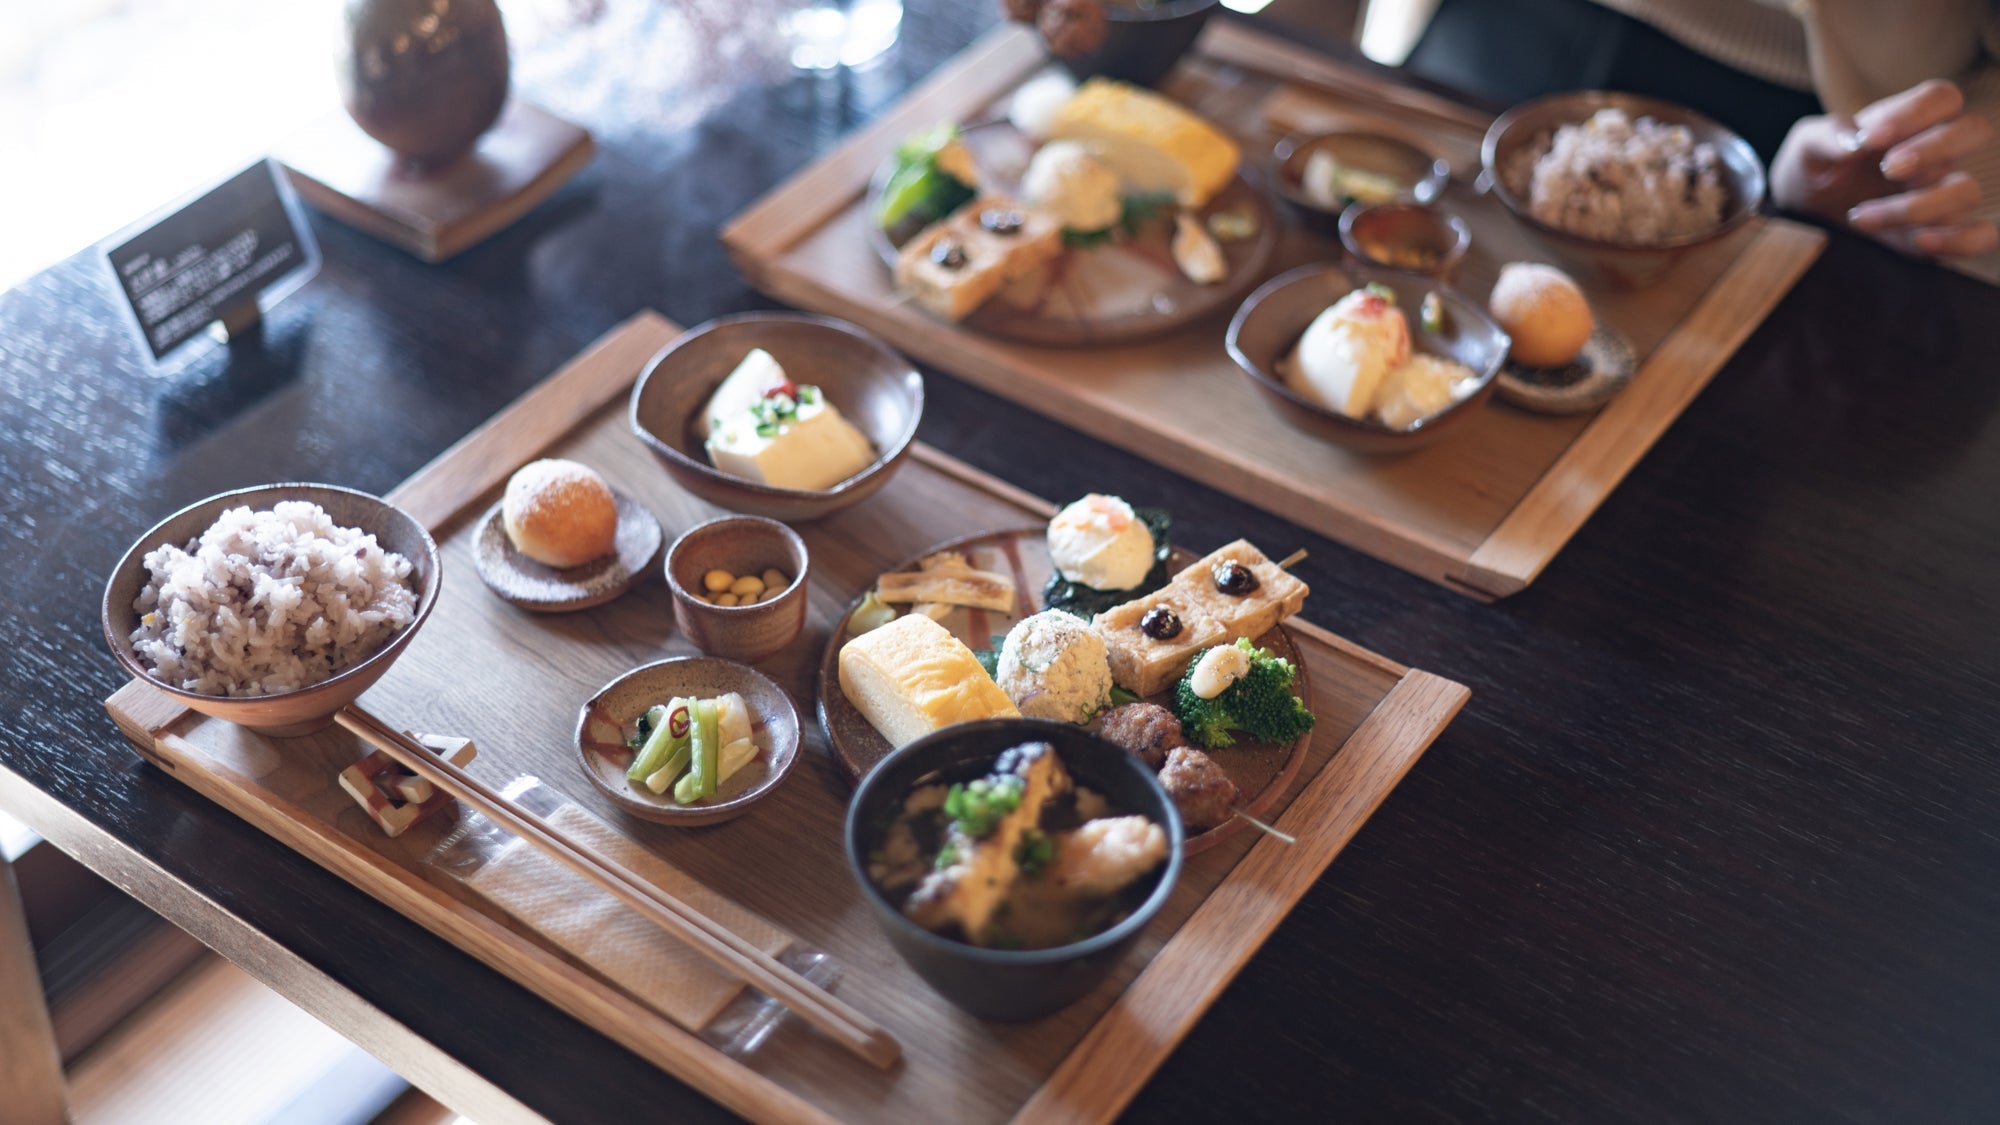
(1261,704)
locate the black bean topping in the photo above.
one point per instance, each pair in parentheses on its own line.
(1160,624)
(1233,577)
(948,254)
(1002,220)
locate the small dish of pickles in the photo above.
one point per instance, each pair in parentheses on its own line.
(688,741)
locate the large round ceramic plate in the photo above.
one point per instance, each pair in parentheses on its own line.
(1108,293)
(1261,770)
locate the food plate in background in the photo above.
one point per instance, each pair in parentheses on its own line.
(1106,293)
(521,581)
(1262,771)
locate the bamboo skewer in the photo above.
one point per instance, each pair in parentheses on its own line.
(729,950)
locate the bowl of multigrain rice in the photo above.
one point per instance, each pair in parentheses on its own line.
(272,607)
(1619,186)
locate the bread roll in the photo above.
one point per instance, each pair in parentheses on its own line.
(560,513)
(1544,311)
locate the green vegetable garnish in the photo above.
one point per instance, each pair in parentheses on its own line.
(989,658)
(1261,704)
(1431,313)
(1380,290)
(917,187)
(947,856)
(976,807)
(1034,852)
(705,753)
(670,733)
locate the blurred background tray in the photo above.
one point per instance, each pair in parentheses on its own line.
(1482,512)
(513,682)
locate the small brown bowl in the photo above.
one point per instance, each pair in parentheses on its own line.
(1614,265)
(868,383)
(741,545)
(1419,176)
(1142,44)
(611,716)
(1412,237)
(1275,316)
(286,713)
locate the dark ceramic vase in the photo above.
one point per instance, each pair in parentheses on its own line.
(424,77)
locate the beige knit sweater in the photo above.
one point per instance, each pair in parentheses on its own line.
(1851,53)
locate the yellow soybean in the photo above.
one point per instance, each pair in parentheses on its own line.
(716,581)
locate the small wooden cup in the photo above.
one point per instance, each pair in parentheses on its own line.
(741,545)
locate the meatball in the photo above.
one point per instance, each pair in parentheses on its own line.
(1146,729)
(1072,28)
(1203,793)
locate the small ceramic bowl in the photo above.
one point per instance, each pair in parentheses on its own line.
(1270,323)
(1412,237)
(869,384)
(611,717)
(1141,44)
(287,713)
(1613,265)
(740,545)
(1001,984)
(1418,176)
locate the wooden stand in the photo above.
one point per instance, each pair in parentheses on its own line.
(522,160)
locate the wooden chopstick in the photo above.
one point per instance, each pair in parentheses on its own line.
(730,950)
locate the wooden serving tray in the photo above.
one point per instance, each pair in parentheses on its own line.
(1482,511)
(513,681)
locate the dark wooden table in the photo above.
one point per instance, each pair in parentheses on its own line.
(1717,838)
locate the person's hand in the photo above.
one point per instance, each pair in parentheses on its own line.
(1890,172)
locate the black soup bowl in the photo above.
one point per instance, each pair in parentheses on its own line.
(1003,984)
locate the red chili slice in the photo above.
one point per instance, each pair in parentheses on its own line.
(785,388)
(678,722)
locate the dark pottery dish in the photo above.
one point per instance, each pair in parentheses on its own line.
(740,545)
(303,710)
(1413,237)
(1420,176)
(871,386)
(603,723)
(1615,265)
(1270,323)
(1142,44)
(1001,984)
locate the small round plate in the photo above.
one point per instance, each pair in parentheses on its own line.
(612,716)
(1589,381)
(1263,771)
(1106,294)
(521,581)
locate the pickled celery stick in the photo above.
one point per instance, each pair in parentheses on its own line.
(675,766)
(666,736)
(732,719)
(736,755)
(733,758)
(705,749)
